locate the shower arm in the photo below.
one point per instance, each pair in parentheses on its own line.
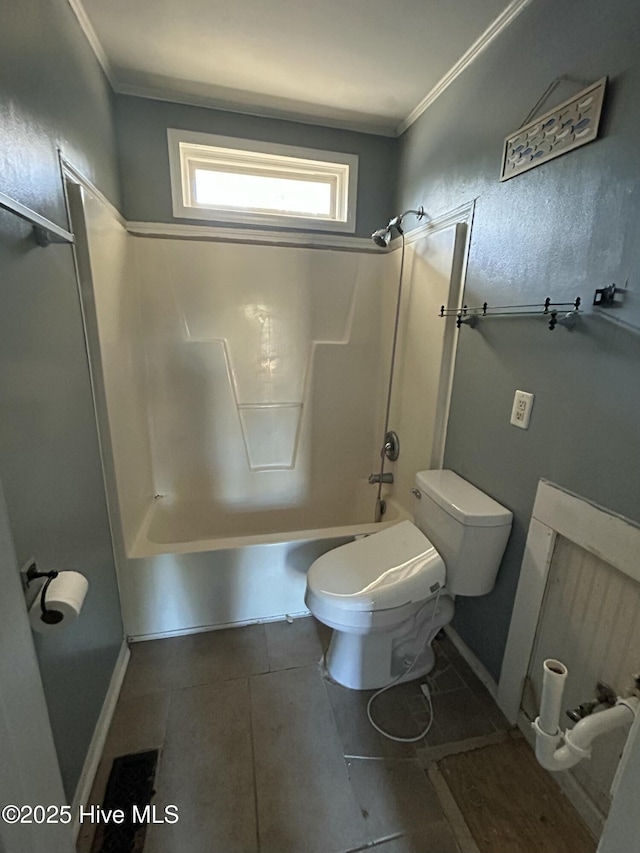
(397,220)
(382,236)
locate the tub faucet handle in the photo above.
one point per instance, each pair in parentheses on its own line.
(391,446)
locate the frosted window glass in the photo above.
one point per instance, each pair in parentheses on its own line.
(260,192)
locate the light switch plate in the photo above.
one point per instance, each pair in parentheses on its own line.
(521,411)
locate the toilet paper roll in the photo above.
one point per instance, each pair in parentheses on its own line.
(66,594)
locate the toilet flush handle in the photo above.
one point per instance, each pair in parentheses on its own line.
(416,493)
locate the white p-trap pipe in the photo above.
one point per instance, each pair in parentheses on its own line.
(577,741)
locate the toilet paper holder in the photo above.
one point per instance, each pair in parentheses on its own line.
(50,617)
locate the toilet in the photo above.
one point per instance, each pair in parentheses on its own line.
(387,595)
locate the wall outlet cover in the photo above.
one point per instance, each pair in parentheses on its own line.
(521,411)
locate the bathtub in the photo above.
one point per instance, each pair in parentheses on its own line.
(194,568)
(180,527)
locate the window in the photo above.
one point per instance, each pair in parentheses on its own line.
(225,179)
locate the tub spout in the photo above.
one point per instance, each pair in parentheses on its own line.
(384,478)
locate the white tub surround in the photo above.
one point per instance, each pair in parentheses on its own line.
(112,317)
(434,275)
(240,389)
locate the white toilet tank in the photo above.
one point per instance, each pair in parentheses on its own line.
(468,528)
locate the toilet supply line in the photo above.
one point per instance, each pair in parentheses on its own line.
(556,751)
(423,687)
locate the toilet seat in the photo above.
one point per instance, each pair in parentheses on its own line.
(383,572)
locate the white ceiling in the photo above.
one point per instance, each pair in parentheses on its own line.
(363,64)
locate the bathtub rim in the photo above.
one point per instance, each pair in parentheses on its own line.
(145,547)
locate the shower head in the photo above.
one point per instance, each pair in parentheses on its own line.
(382,236)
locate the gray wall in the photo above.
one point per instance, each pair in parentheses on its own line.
(142,146)
(52,93)
(562,229)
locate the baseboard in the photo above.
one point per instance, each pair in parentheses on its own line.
(477,666)
(85,783)
(202,629)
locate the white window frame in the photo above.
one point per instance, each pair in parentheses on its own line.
(189,150)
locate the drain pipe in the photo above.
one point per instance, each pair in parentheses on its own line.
(551,752)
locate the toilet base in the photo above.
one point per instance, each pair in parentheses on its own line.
(373,660)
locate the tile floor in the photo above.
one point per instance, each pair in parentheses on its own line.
(261,754)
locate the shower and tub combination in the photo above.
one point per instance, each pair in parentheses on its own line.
(391,442)
(243,393)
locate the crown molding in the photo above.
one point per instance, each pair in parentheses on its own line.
(488,36)
(92,37)
(310,240)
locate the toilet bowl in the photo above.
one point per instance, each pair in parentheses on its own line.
(374,593)
(387,595)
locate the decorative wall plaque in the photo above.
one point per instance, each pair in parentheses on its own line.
(569,125)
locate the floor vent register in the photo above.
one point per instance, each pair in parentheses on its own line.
(130,788)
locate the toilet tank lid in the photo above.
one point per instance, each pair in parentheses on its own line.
(462,500)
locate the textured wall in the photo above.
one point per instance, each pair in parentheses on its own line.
(52,93)
(562,229)
(142,140)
